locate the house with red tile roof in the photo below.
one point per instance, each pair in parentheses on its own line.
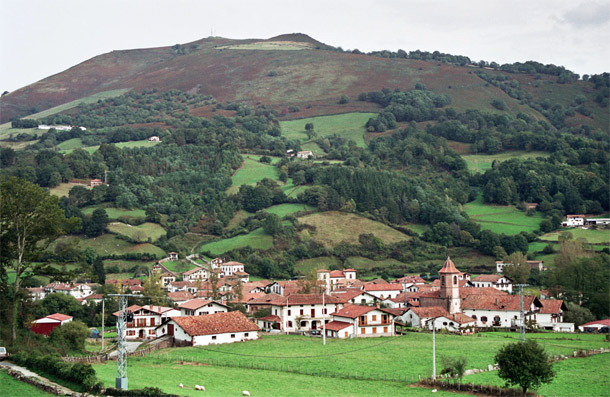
(360,321)
(198,273)
(384,291)
(333,279)
(355,296)
(594,326)
(550,316)
(46,325)
(439,318)
(501,310)
(497,281)
(211,329)
(180,297)
(146,319)
(200,307)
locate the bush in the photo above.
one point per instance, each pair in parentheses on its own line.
(146,392)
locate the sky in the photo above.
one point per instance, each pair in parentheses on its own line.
(39,38)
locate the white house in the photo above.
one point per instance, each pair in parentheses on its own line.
(76,290)
(499,310)
(36,293)
(550,316)
(355,296)
(199,307)
(154,139)
(496,281)
(198,273)
(384,291)
(211,329)
(594,325)
(230,268)
(360,321)
(190,286)
(597,221)
(146,319)
(299,312)
(179,297)
(574,221)
(305,154)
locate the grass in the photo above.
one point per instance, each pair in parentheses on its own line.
(145,231)
(599,236)
(70,144)
(501,219)
(115,213)
(306,266)
(371,356)
(239,216)
(109,244)
(574,377)
(223,381)
(10,386)
(282,210)
(178,266)
(483,162)
(331,230)
(256,239)
(417,228)
(360,263)
(63,189)
(251,172)
(349,126)
(130,144)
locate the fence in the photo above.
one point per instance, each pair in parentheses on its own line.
(473,389)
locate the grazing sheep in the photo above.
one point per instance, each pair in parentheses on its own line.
(197,387)
(181,386)
(245,393)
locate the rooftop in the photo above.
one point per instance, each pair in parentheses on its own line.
(218,323)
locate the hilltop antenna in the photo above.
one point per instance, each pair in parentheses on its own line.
(522,313)
(121,360)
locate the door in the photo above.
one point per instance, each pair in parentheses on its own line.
(313,313)
(170,329)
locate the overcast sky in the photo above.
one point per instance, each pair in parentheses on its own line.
(42,37)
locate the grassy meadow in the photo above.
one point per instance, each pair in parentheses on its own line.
(501,219)
(92,149)
(256,239)
(599,236)
(10,386)
(372,357)
(574,377)
(483,162)
(330,228)
(349,126)
(140,233)
(306,266)
(282,210)
(250,172)
(63,189)
(109,244)
(115,213)
(179,266)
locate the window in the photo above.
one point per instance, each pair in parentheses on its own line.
(325,311)
(363,331)
(301,312)
(454,279)
(246,334)
(374,317)
(303,323)
(445,323)
(363,301)
(289,312)
(374,330)
(290,324)
(385,330)
(475,317)
(484,319)
(213,337)
(233,336)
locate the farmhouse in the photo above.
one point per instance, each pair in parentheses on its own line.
(355,296)
(179,297)
(305,154)
(500,310)
(574,221)
(437,317)
(594,326)
(230,268)
(36,293)
(211,329)
(46,325)
(538,265)
(146,319)
(497,281)
(360,321)
(550,316)
(199,307)
(78,290)
(384,291)
(154,139)
(336,278)
(198,273)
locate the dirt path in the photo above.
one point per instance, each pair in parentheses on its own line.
(28,373)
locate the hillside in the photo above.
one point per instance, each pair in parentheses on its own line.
(287,70)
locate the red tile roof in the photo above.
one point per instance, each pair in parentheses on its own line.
(267,299)
(488,278)
(322,271)
(337,325)
(180,296)
(383,287)
(272,318)
(498,302)
(348,294)
(377,281)
(449,267)
(430,312)
(218,323)
(195,270)
(353,311)
(337,274)
(552,306)
(194,304)
(605,322)
(461,318)
(308,299)
(59,317)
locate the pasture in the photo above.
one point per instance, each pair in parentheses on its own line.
(256,239)
(330,228)
(370,357)
(251,172)
(574,377)
(140,233)
(70,144)
(483,162)
(282,210)
(115,213)
(10,386)
(178,266)
(599,236)
(109,244)
(306,266)
(349,126)
(129,144)
(501,219)
(63,189)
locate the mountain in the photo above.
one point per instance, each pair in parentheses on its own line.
(292,70)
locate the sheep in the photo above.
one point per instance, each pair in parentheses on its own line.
(181,386)
(245,393)
(197,387)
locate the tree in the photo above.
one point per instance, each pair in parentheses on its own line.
(272,224)
(30,219)
(214,277)
(153,288)
(311,133)
(577,314)
(97,223)
(455,367)
(518,270)
(71,336)
(524,364)
(99,271)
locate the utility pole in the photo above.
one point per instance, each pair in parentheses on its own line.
(404,291)
(121,381)
(522,312)
(323,321)
(433,346)
(103,310)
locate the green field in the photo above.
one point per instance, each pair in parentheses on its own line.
(417,228)
(178,266)
(361,263)
(501,219)
(140,233)
(70,144)
(330,228)
(574,377)
(10,386)
(282,210)
(130,144)
(63,189)
(223,381)
(348,126)
(306,266)
(372,357)
(482,162)
(251,172)
(256,239)
(115,213)
(599,236)
(109,244)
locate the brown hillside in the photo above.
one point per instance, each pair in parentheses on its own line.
(249,71)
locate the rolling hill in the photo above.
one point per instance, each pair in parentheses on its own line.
(287,70)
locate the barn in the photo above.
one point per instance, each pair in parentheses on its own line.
(46,325)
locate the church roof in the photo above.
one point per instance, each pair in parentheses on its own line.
(449,267)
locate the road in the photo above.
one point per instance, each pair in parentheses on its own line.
(131,347)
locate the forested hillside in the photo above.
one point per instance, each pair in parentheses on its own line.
(221,179)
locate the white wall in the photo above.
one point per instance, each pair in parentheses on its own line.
(203,340)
